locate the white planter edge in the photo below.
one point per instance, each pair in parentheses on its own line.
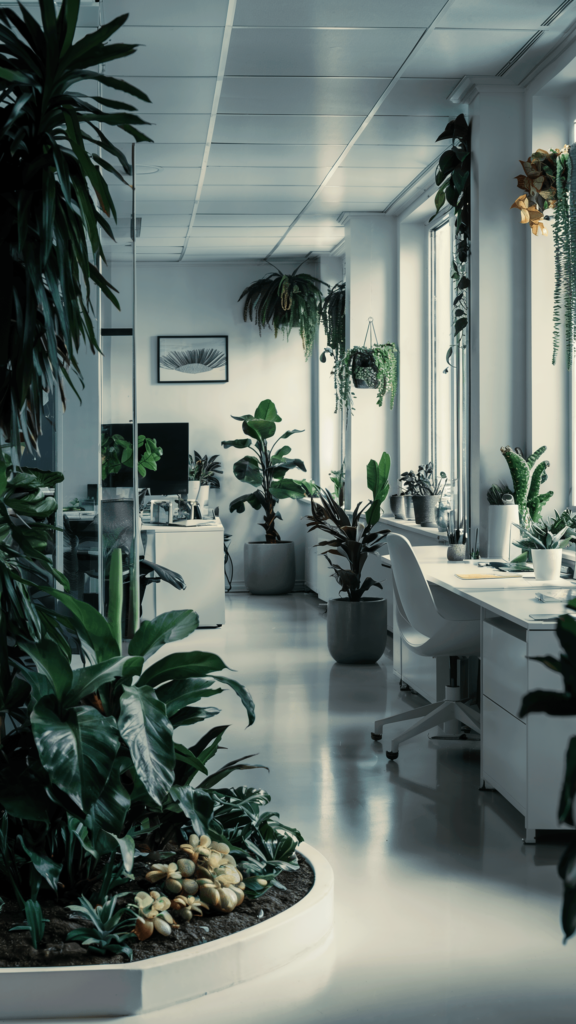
(32,993)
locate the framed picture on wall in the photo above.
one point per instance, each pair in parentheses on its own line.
(193,359)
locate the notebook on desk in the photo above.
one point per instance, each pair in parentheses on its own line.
(490,576)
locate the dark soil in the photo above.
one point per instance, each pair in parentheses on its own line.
(16,949)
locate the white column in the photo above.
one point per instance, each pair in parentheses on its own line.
(414,391)
(330,454)
(371,291)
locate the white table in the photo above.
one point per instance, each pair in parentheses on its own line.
(522,758)
(197,554)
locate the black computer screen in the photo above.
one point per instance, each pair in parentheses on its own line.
(171,473)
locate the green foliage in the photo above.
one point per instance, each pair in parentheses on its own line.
(349,538)
(117,454)
(375,368)
(338,481)
(54,199)
(107,930)
(564,255)
(542,535)
(552,702)
(35,923)
(283,302)
(204,469)
(423,482)
(528,475)
(332,310)
(497,492)
(267,469)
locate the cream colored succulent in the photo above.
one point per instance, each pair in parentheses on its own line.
(213,861)
(186,907)
(175,876)
(219,897)
(153,915)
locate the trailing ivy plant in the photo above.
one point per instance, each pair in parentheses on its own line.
(332,310)
(453,176)
(283,302)
(54,198)
(361,367)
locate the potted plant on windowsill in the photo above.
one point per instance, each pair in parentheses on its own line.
(545,540)
(522,503)
(357,626)
(269,565)
(426,491)
(203,474)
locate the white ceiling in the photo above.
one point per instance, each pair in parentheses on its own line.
(262,133)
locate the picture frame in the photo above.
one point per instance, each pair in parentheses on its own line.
(193,359)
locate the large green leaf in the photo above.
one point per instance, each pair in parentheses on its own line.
(248,471)
(52,663)
(286,489)
(227,769)
(164,629)
(267,411)
(181,665)
(255,500)
(179,693)
(92,626)
(86,681)
(241,692)
(243,442)
(259,429)
(109,811)
(147,733)
(77,751)
(45,866)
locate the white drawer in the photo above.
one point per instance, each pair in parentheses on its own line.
(504,753)
(504,667)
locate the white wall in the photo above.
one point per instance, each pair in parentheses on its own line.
(414,388)
(192,299)
(329,422)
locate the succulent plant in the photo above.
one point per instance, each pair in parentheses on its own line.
(527,477)
(104,927)
(153,915)
(176,876)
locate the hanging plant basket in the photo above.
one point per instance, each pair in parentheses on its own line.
(363,368)
(284,301)
(369,365)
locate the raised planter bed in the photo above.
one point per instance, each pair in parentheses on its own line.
(34,993)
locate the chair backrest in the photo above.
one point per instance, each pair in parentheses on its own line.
(412,589)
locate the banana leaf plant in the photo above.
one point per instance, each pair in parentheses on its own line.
(283,302)
(54,199)
(266,469)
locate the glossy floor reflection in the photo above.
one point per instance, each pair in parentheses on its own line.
(447,917)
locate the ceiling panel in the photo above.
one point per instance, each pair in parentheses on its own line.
(366,13)
(390,156)
(467,52)
(372,176)
(394,130)
(502,14)
(373,53)
(264,95)
(159,193)
(239,207)
(182,128)
(421,96)
(172,12)
(266,193)
(166,155)
(311,176)
(250,220)
(243,155)
(170,51)
(157,207)
(163,176)
(343,195)
(286,129)
(170,95)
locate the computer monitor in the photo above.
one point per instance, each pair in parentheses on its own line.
(171,473)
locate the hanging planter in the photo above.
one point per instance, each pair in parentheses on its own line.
(283,302)
(332,312)
(366,366)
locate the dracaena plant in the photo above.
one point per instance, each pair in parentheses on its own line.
(353,536)
(267,468)
(54,199)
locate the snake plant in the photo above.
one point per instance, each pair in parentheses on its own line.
(283,302)
(54,199)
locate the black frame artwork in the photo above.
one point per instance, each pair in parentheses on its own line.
(193,363)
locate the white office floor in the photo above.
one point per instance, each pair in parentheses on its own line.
(447,916)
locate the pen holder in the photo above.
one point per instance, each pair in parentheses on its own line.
(456,552)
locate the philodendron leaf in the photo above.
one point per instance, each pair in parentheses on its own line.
(181,665)
(92,626)
(77,751)
(164,629)
(87,680)
(109,811)
(179,693)
(45,866)
(47,657)
(147,732)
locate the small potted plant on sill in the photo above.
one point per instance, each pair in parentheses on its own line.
(202,474)
(426,491)
(357,626)
(545,541)
(269,565)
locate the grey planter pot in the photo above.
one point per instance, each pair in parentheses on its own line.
(456,552)
(357,630)
(397,505)
(409,506)
(269,568)
(425,509)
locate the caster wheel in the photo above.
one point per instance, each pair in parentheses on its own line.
(375,737)
(391,755)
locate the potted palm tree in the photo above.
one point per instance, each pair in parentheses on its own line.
(357,625)
(269,565)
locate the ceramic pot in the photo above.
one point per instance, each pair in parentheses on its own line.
(425,509)
(193,490)
(547,563)
(501,519)
(456,552)
(409,506)
(363,361)
(204,495)
(397,505)
(269,568)
(357,630)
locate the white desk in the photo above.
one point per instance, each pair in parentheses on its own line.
(197,553)
(522,758)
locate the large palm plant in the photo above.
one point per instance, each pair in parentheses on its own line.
(53,199)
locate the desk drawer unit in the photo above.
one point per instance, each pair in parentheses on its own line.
(504,753)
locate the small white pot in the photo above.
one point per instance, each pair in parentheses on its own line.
(193,489)
(204,495)
(547,563)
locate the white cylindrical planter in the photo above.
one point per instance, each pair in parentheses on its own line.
(501,518)
(204,495)
(193,490)
(547,563)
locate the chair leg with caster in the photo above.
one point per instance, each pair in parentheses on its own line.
(406,716)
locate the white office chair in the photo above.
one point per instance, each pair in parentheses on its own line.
(432,629)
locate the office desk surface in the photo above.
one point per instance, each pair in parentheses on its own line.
(512,597)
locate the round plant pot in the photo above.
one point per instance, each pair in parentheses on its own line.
(547,563)
(357,630)
(397,505)
(456,552)
(425,509)
(501,519)
(269,568)
(364,369)
(193,490)
(409,506)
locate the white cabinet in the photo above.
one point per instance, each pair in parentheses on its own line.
(197,554)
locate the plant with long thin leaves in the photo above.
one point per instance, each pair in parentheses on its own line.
(35,923)
(54,200)
(105,930)
(283,302)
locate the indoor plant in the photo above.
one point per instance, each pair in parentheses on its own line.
(269,565)
(522,504)
(54,199)
(117,454)
(357,627)
(545,542)
(284,301)
(203,472)
(375,367)
(426,491)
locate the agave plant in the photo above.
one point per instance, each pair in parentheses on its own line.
(54,200)
(284,301)
(104,930)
